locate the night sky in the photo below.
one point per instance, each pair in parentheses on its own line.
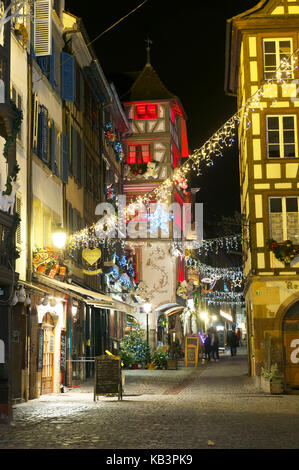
(188,52)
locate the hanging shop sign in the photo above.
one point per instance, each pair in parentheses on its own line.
(91,259)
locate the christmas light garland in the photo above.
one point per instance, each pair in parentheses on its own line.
(212,148)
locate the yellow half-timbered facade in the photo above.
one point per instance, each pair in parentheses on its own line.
(260,42)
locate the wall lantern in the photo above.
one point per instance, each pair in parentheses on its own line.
(59,238)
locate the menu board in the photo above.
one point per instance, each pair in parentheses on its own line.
(107,376)
(63,351)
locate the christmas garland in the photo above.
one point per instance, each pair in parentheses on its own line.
(10,141)
(284,252)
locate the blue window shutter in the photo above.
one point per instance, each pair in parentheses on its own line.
(68,77)
(43,138)
(52,65)
(65,159)
(40,133)
(74,153)
(53,159)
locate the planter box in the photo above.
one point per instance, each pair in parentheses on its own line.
(172,364)
(274,387)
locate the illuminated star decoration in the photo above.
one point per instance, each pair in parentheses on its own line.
(159,219)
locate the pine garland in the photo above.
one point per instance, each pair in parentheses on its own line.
(10,141)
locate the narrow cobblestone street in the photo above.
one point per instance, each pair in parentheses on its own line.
(215,405)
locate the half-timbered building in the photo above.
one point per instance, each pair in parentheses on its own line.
(260,42)
(157,146)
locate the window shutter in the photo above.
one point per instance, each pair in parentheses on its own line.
(74,152)
(79,148)
(42,28)
(53,163)
(52,65)
(65,159)
(35,122)
(82,163)
(43,145)
(68,77)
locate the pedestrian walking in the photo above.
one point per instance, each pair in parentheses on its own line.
(239,336)
(208,347)
(214,345)
(232,342)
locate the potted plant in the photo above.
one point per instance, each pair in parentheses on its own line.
(271,382)
(160,358)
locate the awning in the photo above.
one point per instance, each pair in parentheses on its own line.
(71,288)
(115,305)
(91,297)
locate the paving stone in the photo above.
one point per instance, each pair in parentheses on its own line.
(177,409)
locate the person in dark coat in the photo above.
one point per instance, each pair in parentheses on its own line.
(214,344)
(232,342)
(208,346)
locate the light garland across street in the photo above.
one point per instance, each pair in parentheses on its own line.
(212,148)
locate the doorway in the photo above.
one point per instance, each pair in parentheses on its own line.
(48,354)
(291,347)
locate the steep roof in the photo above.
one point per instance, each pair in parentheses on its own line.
(148,86)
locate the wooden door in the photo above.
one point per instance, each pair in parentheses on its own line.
(48,355)
(291,346)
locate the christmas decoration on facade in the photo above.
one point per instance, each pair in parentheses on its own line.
(284,252)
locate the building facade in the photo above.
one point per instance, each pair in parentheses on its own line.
(262,61)
(155,149)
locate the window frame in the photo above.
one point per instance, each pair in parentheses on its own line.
(135,152)
(147,115)
(284,215)
(281,136)
(277,41)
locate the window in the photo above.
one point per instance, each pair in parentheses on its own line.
(276,52)
(139,154)
(146,112)
(282,136)
(284,218)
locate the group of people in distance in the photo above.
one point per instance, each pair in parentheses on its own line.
(211,343)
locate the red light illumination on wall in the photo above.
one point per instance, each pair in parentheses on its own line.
(143,111)
(176,157)
(181,268)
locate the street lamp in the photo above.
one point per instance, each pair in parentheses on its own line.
(59,238)
(147,308)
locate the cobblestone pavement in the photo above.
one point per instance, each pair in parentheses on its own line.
(214,406)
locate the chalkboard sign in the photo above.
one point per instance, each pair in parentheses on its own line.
(62,352)
(107,376)
(40,350)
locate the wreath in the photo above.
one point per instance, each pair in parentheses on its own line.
(284,252)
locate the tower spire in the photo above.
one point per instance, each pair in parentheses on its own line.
(148,51)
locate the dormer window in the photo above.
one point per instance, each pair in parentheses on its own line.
(146,112)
